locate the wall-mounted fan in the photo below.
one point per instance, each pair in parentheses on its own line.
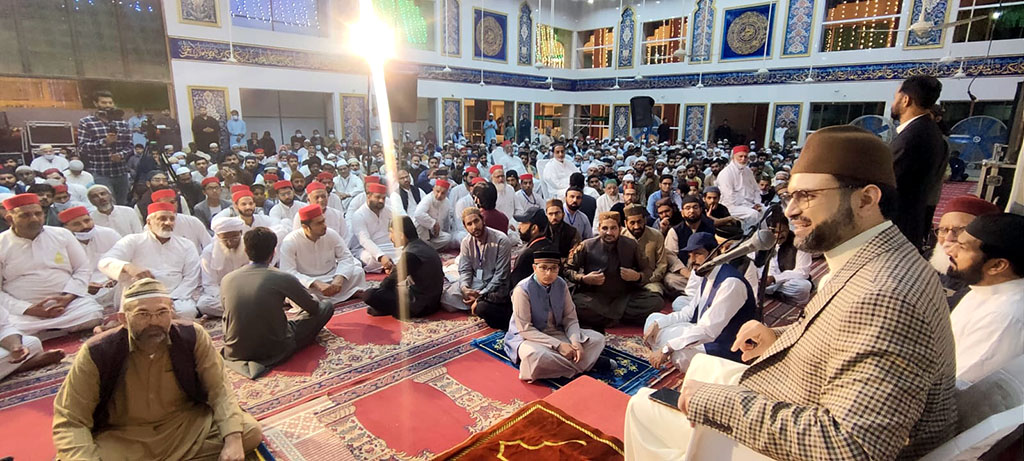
(880,126)
(975,137)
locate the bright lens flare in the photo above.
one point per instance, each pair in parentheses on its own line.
(371,38)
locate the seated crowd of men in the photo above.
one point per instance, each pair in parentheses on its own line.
(541,254)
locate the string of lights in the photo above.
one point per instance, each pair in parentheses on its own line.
(302,14)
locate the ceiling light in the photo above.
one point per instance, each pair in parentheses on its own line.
(699,85)
(638,77)
(762,71)
(446,68)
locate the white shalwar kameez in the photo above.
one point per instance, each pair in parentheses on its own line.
(34,346)
(987,324)
(335,222)
(459,231)
(216,262)
(429,212)
(556,177)
(351,185)
(795,284)
(740,193)
(687,339)
(122,219)
(174,263)
(51,264)
(506,204)
(101,241)
(192,229)
(286,214)
(370,237)
(321,261)
(526,201)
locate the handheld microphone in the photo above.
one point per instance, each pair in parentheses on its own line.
(762,240)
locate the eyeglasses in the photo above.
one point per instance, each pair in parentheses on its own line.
(803,197)
(146,315)
(546,268)
(953,232)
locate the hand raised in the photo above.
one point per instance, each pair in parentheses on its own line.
(753,339)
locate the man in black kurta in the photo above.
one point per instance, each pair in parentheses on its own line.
(257,334)
(425,276)
(205,130)
(562,236)
(532,226)
(607,274)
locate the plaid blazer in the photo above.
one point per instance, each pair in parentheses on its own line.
(867,373)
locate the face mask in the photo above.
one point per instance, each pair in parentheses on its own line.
(87,235)
(181,163)
(234,117)
(448,162)
(49,156)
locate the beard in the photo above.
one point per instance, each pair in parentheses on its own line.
(693,220)
(150,333)
(939,260)
(163,232)
(830,233)
(573,207)
(526,237)
(970,275)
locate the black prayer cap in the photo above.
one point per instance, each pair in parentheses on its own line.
(534,215)
(999,234)
(546,255)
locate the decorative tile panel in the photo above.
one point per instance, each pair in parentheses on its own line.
(451,116)
(354,120)
(695,119)
(620,120)
(747,33)
(199,12)
(524,110)
(703,31)
(525,40)
(935,14)
(214,99)
(450,29)
(799,27)
(627,38)
(490,34)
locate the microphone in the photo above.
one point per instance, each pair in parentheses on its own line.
(762,240)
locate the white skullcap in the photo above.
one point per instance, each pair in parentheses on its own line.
(45,147)
(628,177)
(168,146)
(224,224)
(23,168)
(203,156)
(96,187)
(213,144)
(76,165)
(182,170)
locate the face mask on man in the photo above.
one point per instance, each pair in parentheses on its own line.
(49,156)
(234,117)
(83,236)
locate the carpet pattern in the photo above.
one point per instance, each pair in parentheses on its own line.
(631,374)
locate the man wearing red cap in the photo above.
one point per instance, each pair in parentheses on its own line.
(243,205)
(959,213)
(319,257)
(740,191)
(318,195)
(287,205)
(371,242)
(185,226)
(526,197)
(44,273)
(360,200)
(76,192)
(207,209)
(96,240)
(333,201)
(462,189)
(45,192)
(432,217)
(161,254)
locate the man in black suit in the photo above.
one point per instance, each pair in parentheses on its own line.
(919,155)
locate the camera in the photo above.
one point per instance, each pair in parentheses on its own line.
(111,114)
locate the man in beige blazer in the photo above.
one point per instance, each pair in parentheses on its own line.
(868,371)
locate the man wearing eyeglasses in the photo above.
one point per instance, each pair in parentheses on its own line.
(152,388)
(868,372)
(960,212)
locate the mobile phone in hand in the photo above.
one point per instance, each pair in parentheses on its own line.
(667,397)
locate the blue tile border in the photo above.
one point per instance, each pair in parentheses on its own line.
(211,51)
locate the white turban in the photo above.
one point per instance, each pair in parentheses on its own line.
(224,224)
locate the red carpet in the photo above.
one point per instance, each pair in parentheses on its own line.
(594,403)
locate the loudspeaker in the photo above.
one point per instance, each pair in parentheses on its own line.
(641,108)
(401,96)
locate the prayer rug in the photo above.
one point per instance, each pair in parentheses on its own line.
(408,413)
(631,374)
(539,431)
